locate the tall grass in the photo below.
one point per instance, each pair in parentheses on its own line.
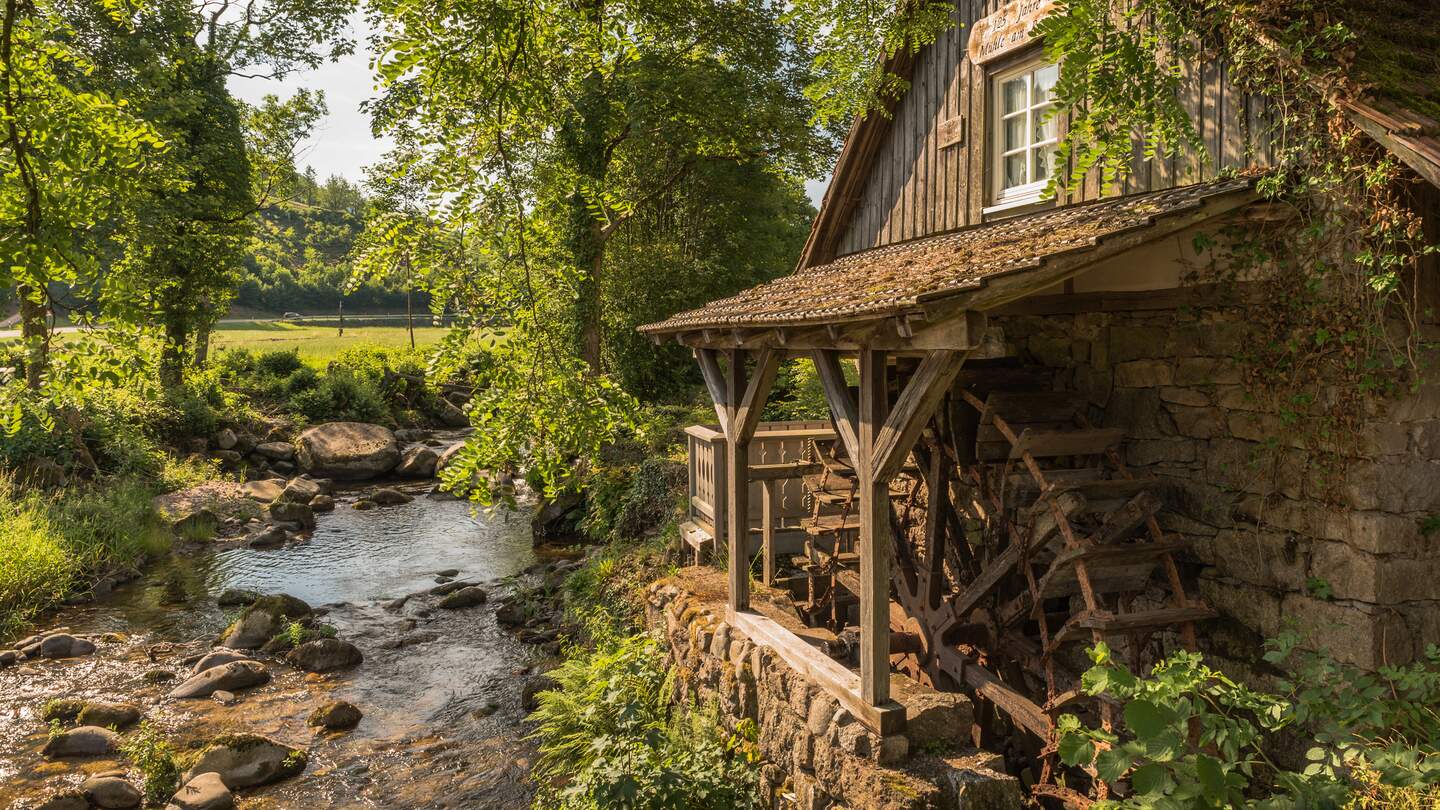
(49,546)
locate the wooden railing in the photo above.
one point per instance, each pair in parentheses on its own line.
(777,493)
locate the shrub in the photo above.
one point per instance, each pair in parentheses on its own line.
(278,362)
(632,502)
(607,734)
(341,395)
(301,379)
(797,393)
(156,759)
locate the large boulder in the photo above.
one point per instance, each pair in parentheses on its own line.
(206,791)
(464,598)
(111,792)
(450,414)
(348,450)
(275,451)
(108,715)
(217,658)
(324,655)
(64,645)
(225,677)
(418,461)
(260,622)
(85,741)
(290,512)
(248,760)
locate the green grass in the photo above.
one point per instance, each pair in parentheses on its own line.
(318,345)
(49,544)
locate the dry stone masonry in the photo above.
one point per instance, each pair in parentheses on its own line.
(1357,577)
(817,754)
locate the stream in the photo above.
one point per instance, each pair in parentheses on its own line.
(442,727)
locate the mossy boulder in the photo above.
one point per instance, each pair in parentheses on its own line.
(266,617)
(248,760)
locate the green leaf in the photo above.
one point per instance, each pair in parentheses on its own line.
(1150,778)
(1075,749)
(1212,777)
(1144,719)
(1112,764)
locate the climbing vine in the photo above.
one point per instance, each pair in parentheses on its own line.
(1330,301)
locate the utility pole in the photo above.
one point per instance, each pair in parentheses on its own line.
(342,318)
(409,313)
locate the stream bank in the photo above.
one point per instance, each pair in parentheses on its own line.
(440,690)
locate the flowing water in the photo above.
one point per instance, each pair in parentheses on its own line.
(442,726)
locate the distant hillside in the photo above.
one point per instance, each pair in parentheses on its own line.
(298,258)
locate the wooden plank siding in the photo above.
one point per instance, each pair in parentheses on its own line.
(913,187)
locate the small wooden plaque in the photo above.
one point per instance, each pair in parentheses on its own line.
(952,131)
(1008,29)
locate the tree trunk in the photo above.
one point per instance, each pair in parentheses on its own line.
(172,353)
(36,332)
(584,140)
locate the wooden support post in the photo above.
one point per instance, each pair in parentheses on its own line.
(874,534)
(721,506)
(767,529)
(737,474)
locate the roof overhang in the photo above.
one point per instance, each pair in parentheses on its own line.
(944,284)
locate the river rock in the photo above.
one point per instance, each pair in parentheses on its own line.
(218,657)
(447,455)
(275,451)
(8,658)
(336,716)
(248,760)
(269,537)
(64,645)
(450,415)
(84,741)
(288,512)
(262,620)
(111,792)
(322,503)
(223,698)
(108,715)
(68,798)
(229,677)
(265,490)
(388,496)
(447,588)
(464,598)
(418,461)
(324,655)
(225,439)
(205,791)
(300,490)
(411,435)
(233,597)
(534,685)
(348,450)
(409,640)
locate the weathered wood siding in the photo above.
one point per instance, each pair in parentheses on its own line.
(915,188)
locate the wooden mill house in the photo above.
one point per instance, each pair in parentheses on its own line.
(1043,441)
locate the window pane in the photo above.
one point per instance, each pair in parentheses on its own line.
(1045,79)
(1015,170)
(1014,133)
(1044,130)
(1013,92)
(1044,156)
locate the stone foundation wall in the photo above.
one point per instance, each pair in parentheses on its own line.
(817,754)
(1361,578)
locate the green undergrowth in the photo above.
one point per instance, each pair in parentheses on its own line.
(49,545)
(610,735)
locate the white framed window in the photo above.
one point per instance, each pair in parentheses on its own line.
(1023,133)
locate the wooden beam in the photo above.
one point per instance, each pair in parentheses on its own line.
(911,332)
(887,717)
(837,394)
(752,403)
(715,382)
(874,544)
(913,411)
(737,484)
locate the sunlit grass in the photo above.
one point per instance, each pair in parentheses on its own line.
(49,545)
(318,345)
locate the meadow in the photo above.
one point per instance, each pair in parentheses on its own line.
(318,345)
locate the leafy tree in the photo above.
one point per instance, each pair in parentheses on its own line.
(559,129)
(70,159)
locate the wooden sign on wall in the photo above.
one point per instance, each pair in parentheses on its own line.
(1008,29)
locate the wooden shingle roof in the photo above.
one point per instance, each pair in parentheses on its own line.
(901,278)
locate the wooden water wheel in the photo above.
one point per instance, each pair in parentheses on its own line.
(1020,537)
